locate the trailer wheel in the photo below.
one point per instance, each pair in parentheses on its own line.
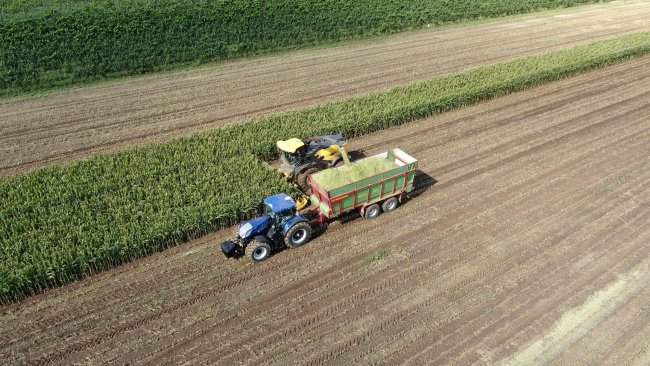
(372,211)
(390,204)
(297,235)
(258,251)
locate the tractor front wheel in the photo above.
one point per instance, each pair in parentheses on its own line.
(297,235)
(258,251)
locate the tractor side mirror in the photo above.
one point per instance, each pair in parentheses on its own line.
(260,206)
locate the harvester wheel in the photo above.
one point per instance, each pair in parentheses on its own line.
(372,211)
(390,204)
(258,251)
(303,179)
(297,235)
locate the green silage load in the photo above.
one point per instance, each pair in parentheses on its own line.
(366,168)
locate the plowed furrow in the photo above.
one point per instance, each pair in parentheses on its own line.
(545,278)
(538,202)
(371,281)
(147,110)
(464,255)
(280,66)
(239,96)
(141,137)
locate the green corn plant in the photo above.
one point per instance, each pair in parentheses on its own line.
(55,43)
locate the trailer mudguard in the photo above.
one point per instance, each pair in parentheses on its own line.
(287,225)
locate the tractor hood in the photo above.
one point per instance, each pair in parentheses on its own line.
(250,228)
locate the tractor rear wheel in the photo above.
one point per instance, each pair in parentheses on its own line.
(258,251)
(372,211)
(297,235)
(303,179)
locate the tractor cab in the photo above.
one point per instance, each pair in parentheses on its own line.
(279,208)
(292,152)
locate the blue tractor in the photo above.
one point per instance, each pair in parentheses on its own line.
(278,225)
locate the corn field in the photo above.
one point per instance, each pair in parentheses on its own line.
(59,224)
(53,43)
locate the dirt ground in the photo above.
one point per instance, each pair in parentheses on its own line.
(528,242)
(76,124)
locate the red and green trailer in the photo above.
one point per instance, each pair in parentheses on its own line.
(378,188)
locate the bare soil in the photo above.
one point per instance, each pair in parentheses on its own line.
(82,122)
(528,242)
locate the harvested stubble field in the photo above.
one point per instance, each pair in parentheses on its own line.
(532,245)
(71,125)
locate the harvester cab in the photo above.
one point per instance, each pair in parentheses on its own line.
(277,225)
(299,159)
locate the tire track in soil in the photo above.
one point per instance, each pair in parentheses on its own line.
(116,293)
(88,150)
(140,138)
(637,328)
(259,90)
(392,344)
(546,194)
(333,354)
(154,362)
(519,116)
(597,86)
(286,66)
(449,326)
(114,331)
(640,249)
(384,326)
(427,349)
(461,255)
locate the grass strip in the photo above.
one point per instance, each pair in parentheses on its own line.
(48,44)
(62,223)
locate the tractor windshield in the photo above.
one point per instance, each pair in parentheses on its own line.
(289,158)
(279,218)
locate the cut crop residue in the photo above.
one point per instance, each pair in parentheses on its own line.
(333,178)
